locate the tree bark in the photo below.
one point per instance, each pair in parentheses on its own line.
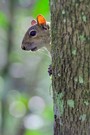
(70,31)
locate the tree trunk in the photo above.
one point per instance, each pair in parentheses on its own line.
(70,30)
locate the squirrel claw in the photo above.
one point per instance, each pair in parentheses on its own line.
(50,70)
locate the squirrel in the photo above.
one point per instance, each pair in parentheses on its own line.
(38,36)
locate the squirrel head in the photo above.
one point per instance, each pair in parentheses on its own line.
(37,36)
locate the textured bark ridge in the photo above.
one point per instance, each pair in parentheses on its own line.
(70,25)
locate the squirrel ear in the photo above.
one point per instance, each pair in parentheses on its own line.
(33,22)
(41,20)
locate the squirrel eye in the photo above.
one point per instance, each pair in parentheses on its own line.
(32,33)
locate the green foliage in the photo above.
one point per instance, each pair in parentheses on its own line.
(15,57)
(24,99)
(48,113)
(3,20)
(41,7)
(32,132)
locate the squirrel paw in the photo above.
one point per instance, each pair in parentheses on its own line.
(50,70)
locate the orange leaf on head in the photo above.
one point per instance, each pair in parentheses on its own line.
(41,20)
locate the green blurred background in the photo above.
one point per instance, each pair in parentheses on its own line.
(25,86)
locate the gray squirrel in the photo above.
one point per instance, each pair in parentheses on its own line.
(38,36)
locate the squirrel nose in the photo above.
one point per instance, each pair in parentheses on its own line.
(23,47)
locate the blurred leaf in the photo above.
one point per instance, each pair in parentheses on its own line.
(34,132)
(3,20)
(15,57)
(41,7)
(48,113)
(24,100)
